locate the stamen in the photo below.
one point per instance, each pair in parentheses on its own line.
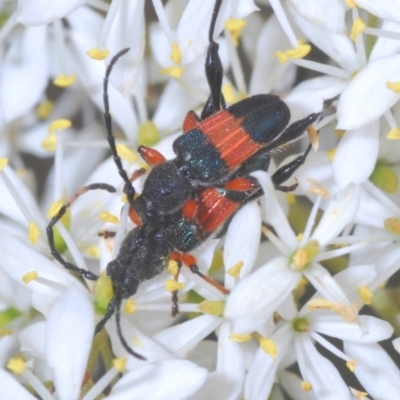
(98,54)
(240,337)
(345,311)
(173,267)
(121,229)
(394,134)
(59,124)
(175,56)
(171,285)
(212,307)
(323,68)
(311,221)
(269,346)
(162,17)
(107,217)
(358,394)
(29,277)
(54,208)
(365,293)
(351,365)
(331,154)
(148,134)
(306,386)
(380,196)
(126,153)
(33,233)
(235,270)
(357,28)
(298,52)
(44,109)
(392,225)
(111,14)
(329,346)
(175,72)
(275,240)
(382,33)
(284,22)
(395,86)
(235,27)
(236,65)
(130,306)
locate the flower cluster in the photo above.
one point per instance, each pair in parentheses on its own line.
(309,303)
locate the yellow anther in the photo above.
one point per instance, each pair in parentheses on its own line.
(98,54)
(145,166)
(306,386)
(54,208)
(351,3)
(365,293)
(44,109)
(357,28)
(175,72)
(351,365)
(119,364)
(269,346)
(93,251)
(3,162)
(107,217)
(16,365)
(394,134)
(235,270)
(395,86)
(235,27)
(339,133)
(5,332)
(299,52)
(313,137)
(124,198)
(240,337)
(126,153)
(229,93)
(359,395)
(175,53)
(331,154)
(385,178)
(29,277)
(173,267)
(22,173)
(392,225)
(59,125)
(212,307)
(33,233)
(148,134)
(171,285)
(130,306)
(290,198)
(49,143)
(319,191)
(64,80)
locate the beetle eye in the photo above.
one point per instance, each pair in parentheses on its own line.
(185,171)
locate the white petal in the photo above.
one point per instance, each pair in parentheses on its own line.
(18,259)
(383,46)
(69,335)
(315,13)
(25,71)
(340,212)
(324,283)
(322,374)
(181,339)
(262,372)
(375,370)
(355,276)
(230,365)
(11,389)
(39,12)
(366,98)
(385,9)
(90,74)
(127,30)
(273,211)
(33,339)
(356,155)
(169,119)
(163,380)
(269,41)
(367,330)
(242,241)
(256,297)
(338,46)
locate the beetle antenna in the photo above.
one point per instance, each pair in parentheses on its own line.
(118,302)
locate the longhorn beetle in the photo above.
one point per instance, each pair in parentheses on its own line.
(189,198)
